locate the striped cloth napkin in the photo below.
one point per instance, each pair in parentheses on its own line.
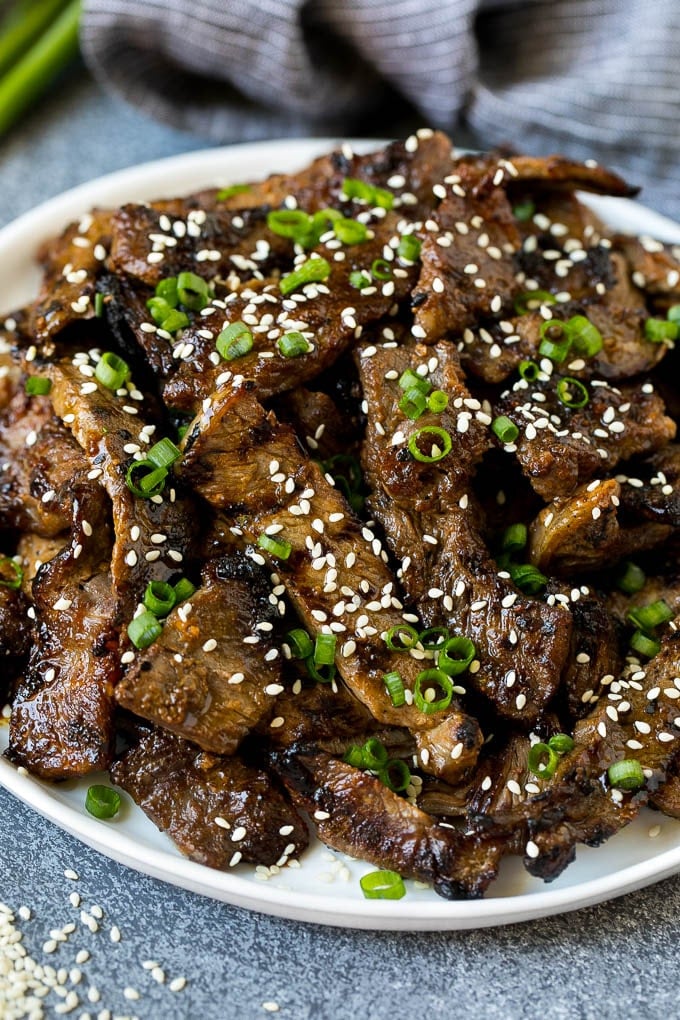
(584,77)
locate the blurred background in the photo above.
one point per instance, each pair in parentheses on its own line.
(91,86)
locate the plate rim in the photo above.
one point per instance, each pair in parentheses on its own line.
(30,229)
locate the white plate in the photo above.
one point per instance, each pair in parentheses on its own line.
(326,888)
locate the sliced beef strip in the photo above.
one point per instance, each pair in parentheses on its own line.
(153,537)
(431,521)
(650,489)
(62,717)
(242,460)
(595,656)
(560,448)
(200,679)
(667,797)
(205,802)
(357,814)
(637,719)
(590,530)
(654,267)
(34,551)
(318,420)
(38,461)
(554,172)
(329,315)
(72,265)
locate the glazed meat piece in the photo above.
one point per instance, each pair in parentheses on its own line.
(653,266)
(317,419)
(62,717)
(218,811)
(559,447)
(357,814)
(431,521)
(72,266)
(335,571)
(214,673)
(595,656)
(152,536)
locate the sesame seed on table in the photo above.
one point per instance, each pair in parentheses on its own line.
(127,945)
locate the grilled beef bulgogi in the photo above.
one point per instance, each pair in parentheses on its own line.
(350,497)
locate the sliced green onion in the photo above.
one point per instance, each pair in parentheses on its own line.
(292,345)
(401,637)
(144,479)
(661,331)
(359,279)
(523,211)
(174,321)
(193,291)
(437,401)
(160,309)
(532,299)
(350,231)
(164,453)
(288,222)
(99,304)
(433,638)
(167,290)
(455,655)
(505,429)
(182,431)
(300,644)
(159,598)
(649,617)
(572,393)
(431,678)
(112,371)
(144,630)
(38,386)
(514,538)
(322,674)
(381,270)
(673,313)
(382,885)
(527,578)
(354,756)
(410,380)
(529,370)
(644,644)
(277,547)
(102,801)
(234,189)
(626,775)
(396,775)
(631,578)
(184,589)
(562,743)
(586,338)
(543,760)
(395,688)
(440,445)
(235,341)
(11,574)
(413,403)
(312,271)
(354,188)
(324,649)
(409,248)
(375,754)
(555,341)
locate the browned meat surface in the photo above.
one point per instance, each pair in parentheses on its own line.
(72,267)
(667,799)
(432,525)
(62,717)
(560,447)
(654,267)
(321,717)
(656,587)
(152,536)
(595,653)
(357,814)
(218,811)
(318,420)
(200,679)
(240,459)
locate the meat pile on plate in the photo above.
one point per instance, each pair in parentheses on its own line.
(351,497)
